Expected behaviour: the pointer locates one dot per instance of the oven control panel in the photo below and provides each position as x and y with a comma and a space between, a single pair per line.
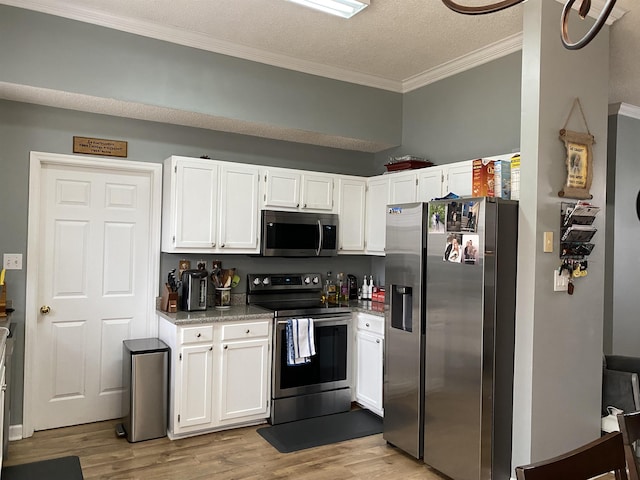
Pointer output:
283, 281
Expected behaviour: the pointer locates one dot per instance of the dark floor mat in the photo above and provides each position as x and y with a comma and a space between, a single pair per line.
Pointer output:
64, 468
313, 432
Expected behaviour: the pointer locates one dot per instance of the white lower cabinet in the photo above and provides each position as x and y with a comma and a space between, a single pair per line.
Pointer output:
244, 373
369, 361
219, 375
195, 377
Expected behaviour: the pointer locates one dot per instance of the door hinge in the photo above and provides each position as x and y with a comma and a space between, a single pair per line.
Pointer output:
175, 169
174, 239
180, 356
265, 178
416, 182
178, 418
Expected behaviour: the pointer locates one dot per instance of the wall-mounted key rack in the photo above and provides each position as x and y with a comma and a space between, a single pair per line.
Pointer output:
577, 230
576, 235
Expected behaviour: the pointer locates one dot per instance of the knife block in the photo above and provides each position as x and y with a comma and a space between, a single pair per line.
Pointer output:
3, 300
169, 300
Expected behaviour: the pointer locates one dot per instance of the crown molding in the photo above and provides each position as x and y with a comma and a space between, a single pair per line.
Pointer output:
625, 109
596, 7
467, 62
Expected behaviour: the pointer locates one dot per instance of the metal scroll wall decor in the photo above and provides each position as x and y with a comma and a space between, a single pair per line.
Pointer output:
583, 11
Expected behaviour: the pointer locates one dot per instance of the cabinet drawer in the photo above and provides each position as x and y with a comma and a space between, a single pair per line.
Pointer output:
202, 333
245, 330
371, 324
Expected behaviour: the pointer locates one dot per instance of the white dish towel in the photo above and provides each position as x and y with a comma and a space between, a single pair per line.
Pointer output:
300, 341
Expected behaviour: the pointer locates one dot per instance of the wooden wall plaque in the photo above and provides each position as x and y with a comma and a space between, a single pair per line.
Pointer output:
99, 146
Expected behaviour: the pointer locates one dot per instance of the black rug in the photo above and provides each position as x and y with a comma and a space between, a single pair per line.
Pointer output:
313, 432
64, 468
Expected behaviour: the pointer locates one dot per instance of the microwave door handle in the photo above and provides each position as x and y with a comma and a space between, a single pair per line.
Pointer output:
320, 242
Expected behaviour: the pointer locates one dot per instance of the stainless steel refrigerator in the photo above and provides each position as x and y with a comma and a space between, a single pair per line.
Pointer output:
450, 273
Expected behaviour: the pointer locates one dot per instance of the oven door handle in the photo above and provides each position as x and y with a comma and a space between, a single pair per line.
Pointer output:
321, 320
320, 239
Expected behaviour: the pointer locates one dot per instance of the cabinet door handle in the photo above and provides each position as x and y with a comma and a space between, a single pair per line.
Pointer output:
305, 206
248, 331
367, 325
226, 346
222, 245
199, 335
213, 244
378, 341
298, 205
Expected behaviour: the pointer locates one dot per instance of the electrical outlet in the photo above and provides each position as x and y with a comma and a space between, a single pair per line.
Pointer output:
12, 261
560, 281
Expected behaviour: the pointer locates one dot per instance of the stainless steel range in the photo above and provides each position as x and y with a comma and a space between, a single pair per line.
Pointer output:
322, 386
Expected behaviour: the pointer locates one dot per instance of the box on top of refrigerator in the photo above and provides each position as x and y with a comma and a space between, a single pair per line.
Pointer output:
502, 176
515, 177
483, 178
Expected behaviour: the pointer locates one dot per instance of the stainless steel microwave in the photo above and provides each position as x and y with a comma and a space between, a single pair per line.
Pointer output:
295, 234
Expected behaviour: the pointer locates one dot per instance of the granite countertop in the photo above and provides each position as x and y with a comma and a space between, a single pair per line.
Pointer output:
213, 315
367, 306
248, 312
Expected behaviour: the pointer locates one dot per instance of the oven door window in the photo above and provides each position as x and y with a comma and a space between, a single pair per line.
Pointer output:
329, 364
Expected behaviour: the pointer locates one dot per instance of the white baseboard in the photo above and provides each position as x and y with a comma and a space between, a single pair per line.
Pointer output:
15, 432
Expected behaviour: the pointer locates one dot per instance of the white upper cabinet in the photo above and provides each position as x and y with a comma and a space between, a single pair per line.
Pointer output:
317, 192
459, 178
282, 188
239, 213
286, 189
430, 182
403, 187
210, 206
375, 226
190, 204
351, 210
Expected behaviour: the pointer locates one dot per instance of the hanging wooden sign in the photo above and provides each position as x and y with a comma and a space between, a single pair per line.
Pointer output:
99, 146
578, 161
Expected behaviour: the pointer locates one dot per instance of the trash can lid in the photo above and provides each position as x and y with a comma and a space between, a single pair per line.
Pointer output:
145, 345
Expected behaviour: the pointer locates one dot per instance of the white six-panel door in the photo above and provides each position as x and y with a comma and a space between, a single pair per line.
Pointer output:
94, 286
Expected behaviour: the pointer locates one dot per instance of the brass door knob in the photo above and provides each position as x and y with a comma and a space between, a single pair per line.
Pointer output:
45, 309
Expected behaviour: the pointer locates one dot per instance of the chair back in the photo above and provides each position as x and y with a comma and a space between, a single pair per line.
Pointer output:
603, 455
630, 428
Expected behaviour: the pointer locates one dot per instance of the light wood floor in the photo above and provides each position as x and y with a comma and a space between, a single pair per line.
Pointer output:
232, 454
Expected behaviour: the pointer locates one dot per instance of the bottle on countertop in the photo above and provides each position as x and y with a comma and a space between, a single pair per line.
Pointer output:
330, 290
366, 292
343, 289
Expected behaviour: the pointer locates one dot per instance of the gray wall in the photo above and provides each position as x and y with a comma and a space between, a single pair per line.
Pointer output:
623, 308
51, 52
470, 115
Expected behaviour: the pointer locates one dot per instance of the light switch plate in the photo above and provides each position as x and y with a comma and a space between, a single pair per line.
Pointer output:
12, 261
548, 242
560, 281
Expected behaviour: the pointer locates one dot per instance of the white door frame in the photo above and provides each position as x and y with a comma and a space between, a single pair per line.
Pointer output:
37, 161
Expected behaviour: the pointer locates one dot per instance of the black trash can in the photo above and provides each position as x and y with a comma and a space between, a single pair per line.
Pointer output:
145, 373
